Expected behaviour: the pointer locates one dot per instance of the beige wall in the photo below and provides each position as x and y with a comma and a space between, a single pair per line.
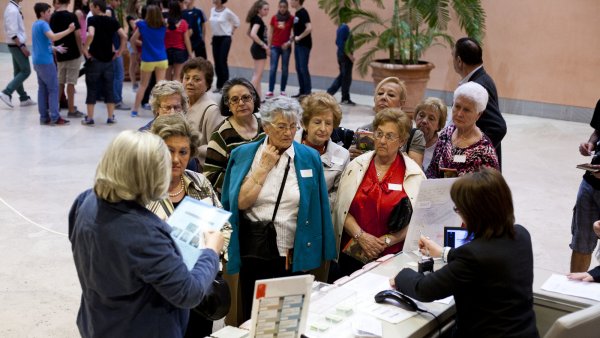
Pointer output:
545, 51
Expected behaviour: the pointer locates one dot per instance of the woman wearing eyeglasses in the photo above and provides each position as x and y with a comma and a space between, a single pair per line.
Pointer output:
240, 103
370, 194
276, 184
167, 97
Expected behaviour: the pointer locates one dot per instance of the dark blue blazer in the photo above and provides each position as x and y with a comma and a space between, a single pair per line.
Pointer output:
491, 121
314, 242
491, 281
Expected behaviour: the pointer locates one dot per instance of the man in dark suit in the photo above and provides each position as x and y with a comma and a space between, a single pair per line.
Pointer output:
468, 63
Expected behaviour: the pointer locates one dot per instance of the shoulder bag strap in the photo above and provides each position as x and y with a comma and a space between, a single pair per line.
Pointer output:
287, 169
204, 114
410, 137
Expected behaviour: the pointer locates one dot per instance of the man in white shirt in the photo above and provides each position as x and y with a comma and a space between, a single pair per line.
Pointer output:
14, 31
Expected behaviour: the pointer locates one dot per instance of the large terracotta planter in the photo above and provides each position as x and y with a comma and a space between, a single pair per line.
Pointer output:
415, 78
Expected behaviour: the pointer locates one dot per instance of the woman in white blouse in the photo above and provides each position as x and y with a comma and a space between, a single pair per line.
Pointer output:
223, 23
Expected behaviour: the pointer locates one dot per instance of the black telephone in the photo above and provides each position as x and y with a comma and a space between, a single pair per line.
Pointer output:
399, 297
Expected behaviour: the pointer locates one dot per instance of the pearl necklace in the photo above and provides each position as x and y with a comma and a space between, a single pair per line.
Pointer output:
180, 191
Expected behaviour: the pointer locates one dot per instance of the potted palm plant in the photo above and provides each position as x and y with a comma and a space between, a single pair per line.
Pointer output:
413, 27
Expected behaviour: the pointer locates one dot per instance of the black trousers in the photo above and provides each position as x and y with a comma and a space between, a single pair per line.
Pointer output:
220, 47
198, 326
200, 49
344, 79
254, 269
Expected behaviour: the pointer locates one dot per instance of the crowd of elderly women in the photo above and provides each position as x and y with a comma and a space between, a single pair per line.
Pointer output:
299, 203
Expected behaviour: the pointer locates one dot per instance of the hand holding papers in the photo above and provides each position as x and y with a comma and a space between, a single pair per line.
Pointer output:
431, 212
189, 222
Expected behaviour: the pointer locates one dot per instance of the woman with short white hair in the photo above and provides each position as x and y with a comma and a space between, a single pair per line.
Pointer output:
134, 281
276, 192
462, 147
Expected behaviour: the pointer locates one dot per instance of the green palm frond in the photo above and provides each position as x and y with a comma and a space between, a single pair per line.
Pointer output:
412, 28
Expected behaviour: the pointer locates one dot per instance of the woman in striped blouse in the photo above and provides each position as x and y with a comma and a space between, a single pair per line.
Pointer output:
240, 103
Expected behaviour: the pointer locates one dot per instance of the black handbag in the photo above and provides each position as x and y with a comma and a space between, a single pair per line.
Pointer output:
215, 304
259, 239
400, 215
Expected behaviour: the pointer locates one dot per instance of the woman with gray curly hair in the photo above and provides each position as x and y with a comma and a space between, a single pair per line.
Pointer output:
462, 147
182, 141
276, 192
167, 97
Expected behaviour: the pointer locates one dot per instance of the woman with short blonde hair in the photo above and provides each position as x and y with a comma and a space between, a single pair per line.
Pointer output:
134, 257
116, 179
430, 117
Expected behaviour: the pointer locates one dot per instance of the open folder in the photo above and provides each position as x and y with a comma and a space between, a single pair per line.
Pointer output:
189, 222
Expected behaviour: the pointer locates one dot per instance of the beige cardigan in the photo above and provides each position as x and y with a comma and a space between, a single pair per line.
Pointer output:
353, 176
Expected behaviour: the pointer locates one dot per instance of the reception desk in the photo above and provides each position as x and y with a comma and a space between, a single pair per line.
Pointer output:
548, 306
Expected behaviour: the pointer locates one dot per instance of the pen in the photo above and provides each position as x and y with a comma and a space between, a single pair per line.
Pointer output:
426, 248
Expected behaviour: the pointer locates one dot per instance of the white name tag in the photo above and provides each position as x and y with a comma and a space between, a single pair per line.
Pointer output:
460, 158
306, 173
337, 160
395, 187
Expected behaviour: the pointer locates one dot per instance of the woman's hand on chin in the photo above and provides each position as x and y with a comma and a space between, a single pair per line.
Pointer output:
371, 245
269, 158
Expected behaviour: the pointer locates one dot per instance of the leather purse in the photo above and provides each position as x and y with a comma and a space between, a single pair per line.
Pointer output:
400, 215
259, 239
215, 304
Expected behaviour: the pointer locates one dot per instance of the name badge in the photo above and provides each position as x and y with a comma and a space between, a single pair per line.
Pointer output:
337, 160
395, 187
460, 158
306, 173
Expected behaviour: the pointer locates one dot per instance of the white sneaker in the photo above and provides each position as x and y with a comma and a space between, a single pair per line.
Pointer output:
28, 102
6, 99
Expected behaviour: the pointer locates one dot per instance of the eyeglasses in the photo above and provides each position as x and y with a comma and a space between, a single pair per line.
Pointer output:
456, 209
282, 128
245, 99
175, 108
389, 136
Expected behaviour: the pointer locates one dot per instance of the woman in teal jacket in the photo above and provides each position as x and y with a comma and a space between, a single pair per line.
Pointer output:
253, 181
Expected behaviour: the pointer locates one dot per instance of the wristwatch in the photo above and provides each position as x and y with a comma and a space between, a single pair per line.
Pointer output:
388, 240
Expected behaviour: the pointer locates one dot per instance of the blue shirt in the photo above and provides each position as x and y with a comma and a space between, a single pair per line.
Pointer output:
153, 46
134, 282
42, 46
341, 36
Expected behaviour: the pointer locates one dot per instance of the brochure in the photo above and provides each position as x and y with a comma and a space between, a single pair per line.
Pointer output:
189, 222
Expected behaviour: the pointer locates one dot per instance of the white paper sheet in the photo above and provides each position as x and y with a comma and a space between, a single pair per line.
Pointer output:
432, 211
561, 284
189, 222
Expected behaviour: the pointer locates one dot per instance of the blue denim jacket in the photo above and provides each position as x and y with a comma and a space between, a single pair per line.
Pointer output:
134, 282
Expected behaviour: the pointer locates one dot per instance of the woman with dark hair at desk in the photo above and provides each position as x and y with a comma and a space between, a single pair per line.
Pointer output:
490, 277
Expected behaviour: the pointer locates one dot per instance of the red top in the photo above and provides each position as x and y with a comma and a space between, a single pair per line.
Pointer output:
374, 201
281, 30
174, 38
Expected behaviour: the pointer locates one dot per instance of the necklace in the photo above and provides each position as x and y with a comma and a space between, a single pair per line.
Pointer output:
381, 172
180, 190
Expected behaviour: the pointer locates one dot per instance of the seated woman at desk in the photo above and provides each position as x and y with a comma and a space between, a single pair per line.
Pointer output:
490, 277
371, 188
594, 274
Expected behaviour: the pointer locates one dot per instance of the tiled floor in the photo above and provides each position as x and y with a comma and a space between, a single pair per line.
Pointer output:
43, 169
